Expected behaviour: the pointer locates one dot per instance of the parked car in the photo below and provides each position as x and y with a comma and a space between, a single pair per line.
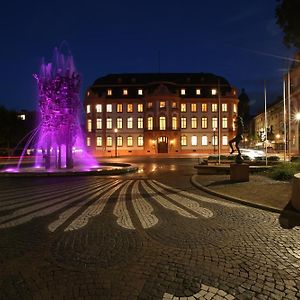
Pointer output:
253, 154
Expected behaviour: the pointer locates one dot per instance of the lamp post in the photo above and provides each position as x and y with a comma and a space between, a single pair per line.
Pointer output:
116, 142
214, 140
298, 121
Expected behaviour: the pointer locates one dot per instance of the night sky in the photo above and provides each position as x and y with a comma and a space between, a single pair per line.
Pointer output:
236, 39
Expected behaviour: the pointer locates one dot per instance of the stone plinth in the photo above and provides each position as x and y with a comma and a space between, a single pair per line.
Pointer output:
239, 172
296, 192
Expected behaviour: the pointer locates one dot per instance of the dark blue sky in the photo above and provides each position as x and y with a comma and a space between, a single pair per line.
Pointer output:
222, 37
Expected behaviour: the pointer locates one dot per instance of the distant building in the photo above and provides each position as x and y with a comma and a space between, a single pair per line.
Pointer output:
159, 113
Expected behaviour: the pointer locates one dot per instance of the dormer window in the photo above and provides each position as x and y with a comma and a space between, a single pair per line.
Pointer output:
214, 92
198, 92
140, 92
109, 92
182, 91
125, 92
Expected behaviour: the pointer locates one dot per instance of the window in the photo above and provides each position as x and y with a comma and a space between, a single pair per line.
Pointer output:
183, 123
183, 140
194, 140
119, 141
129, 141
150, 123
140, 107
214, 92
99, 108
88, 109
130, 123
149, 104
204, 107
215, 140
130, 107
140, 141
119, 123
224, 107
89, 125
99, 141
119, 107
162, 123
109, 141
109, 107
162, 104
174, 123
140, 123
140, 92
194, 123
182, 91
214, 107
234, 108
99, 123
88, 141
198, 92
109, 92
233, 125
125, 92
183, 107
193, 107
204, 140
203, 123
174, 104
224, 122
224, 140
214, 122
109, 123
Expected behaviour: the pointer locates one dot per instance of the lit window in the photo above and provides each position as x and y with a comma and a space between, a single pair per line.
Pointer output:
204, 107
162, 104
198, 92
174, 104
162, 123
224, 140
99, 141
119, 107
149, 104
140, 92
234, 108
140, 107
140, 141
129, 141
109, 123
119, 123
183, 140
214, 107
224, 107
194, 140
88, 141
99, 123
125, 92
203, 123
174, 123
130, 123
109, 92
214, 122
194, 123
130, 107
193, 107
214, 140
233, 125
214, 92
140, 123
183, 107
89, 125
22, 117
109, 107
150, 123
204, 140
224, 122
183, 123
182, 91
88, 109
98, 108
119, 141
109, 141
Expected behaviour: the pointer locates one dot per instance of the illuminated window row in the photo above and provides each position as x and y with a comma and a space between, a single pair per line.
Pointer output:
204, 123
119, 107
204, 140
214, 107
120, 143
109, 92
198, 92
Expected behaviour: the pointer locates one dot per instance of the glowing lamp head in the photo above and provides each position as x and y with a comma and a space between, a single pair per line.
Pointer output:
297, 116
115, 130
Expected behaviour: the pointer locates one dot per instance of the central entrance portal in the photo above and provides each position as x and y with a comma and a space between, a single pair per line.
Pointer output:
162, 144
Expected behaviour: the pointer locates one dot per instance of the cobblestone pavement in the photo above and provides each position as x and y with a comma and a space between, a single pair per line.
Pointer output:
138, 237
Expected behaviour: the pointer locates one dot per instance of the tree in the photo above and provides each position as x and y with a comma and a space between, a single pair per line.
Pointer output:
287, 14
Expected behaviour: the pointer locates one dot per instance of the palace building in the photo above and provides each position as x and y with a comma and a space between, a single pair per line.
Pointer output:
152, 113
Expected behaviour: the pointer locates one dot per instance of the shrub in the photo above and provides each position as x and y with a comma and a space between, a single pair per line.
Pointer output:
274, 158
284, 171
295, 159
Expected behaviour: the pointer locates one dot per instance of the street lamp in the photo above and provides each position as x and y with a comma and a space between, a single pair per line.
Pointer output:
214, 140
116, 142
298, 120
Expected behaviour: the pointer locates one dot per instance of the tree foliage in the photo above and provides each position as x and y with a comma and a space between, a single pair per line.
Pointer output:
287, 14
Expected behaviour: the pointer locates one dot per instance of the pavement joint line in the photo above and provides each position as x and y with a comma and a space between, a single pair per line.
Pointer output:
239, 200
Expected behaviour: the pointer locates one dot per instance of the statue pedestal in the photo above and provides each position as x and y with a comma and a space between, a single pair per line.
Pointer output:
296, 192
239, 172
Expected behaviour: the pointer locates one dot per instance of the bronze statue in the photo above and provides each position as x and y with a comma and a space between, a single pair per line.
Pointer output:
239, 136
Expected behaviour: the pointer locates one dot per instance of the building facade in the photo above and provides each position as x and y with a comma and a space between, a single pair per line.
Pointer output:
140, 114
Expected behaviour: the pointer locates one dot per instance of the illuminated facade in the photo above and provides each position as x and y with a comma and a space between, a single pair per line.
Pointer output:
140, 114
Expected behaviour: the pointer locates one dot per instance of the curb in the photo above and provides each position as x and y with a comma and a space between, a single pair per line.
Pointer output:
239, 200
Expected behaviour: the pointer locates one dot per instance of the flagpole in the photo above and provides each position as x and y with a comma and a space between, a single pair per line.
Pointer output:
266, 123
284, 121
219, 121
289, 114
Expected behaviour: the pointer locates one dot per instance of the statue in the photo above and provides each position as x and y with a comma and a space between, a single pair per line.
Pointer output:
237, 139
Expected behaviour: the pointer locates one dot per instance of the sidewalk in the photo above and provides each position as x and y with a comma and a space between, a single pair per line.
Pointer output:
260, 191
